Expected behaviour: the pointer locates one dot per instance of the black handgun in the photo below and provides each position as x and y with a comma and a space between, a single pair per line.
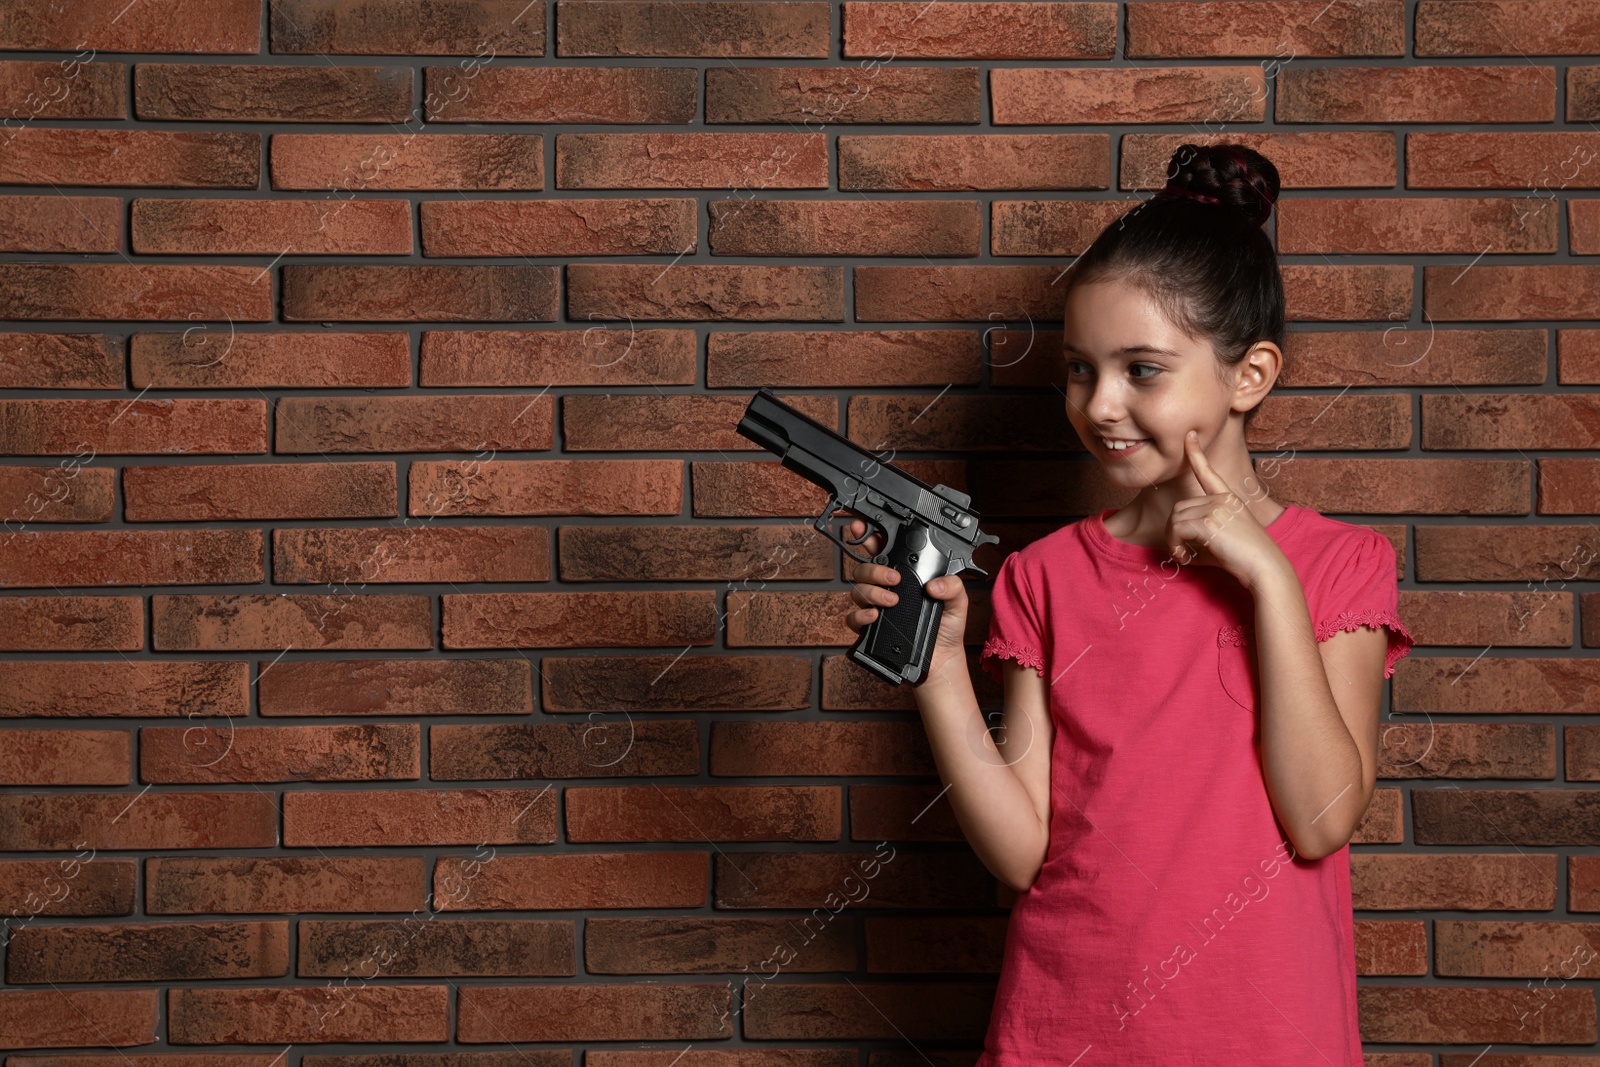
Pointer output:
929, 531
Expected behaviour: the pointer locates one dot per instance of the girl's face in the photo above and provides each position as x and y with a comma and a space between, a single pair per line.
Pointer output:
1132, 375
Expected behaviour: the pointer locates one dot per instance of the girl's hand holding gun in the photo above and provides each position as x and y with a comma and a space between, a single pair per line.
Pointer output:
874, 590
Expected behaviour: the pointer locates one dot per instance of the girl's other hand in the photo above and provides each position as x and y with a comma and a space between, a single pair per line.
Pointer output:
1218, 529
874, 590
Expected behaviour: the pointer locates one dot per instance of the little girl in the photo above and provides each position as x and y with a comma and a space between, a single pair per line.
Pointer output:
1192, 681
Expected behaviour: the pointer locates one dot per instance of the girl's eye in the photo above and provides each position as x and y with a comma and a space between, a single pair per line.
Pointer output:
1076, 367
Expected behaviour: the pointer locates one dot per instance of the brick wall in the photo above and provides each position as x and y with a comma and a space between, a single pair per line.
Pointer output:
402, 653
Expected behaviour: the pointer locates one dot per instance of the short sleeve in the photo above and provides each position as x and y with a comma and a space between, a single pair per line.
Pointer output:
1362, 591
1016, 629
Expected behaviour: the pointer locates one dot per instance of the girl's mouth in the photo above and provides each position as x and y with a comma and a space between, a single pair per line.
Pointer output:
1119, 452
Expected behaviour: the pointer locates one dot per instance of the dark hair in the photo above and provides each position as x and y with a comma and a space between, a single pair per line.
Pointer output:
1198, 247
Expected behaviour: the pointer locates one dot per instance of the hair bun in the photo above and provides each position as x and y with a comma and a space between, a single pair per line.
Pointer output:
1227, 174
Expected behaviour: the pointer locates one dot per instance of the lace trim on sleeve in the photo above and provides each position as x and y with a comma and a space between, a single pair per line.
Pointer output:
997, 648
1400, 640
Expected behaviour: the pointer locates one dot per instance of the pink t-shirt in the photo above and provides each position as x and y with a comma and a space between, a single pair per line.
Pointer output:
1172, 923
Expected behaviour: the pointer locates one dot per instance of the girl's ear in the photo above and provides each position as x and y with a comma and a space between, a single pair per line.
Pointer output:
1257, 372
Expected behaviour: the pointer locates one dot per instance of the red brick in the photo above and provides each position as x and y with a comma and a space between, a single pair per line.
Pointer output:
692, 160
598, 355
589, 749
578, 620
149, 952
675, 683
177, 885
1498, 948
1467, 750
1559, 291
939, 1011
945, 879
1401, 355
1505, 685
1503, 28
1480, 94
222, 26
1568, 486
408, 27
221, 622
1263, 28
216, 358
1413, 224
576, 880
132, 427
408, 293
272, 227
334, 948
975, 161
732, 29
1391, 948
1495, 160
123, 687
703, 813
1359, 486
142, 291
69, 88
821, 96
824, 358
66, 491
60, 223
37, 822
548, 487
390, 817
612, 227
844, 228
1485, 1015
68, 558
997, 294
417, 423
1509, 421
307, 1015
183, 159
641, 1011
392, 686
580, 95
901, 812
1579, 355
77, 1018
355, 557
62, 361
699, 945
830, 749
888, 30
238, 92
67, 886
701, 292
66, 757
72, 623
1060, 96
694, 553
356, 162
668, 421
232, 491
1480, 816
232, 753
1550, 554
1503, 881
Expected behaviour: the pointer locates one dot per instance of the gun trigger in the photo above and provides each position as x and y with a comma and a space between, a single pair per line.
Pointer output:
824, 523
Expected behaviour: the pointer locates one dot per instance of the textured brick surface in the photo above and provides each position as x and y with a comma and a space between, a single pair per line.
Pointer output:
405, 663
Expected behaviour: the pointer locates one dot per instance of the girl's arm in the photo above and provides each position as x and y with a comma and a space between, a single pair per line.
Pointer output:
1319, 716
1000, 795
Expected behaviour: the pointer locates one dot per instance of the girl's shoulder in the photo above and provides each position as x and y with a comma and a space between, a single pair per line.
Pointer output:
1316, 539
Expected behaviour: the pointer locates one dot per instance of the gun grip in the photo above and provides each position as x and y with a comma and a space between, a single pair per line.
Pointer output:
898, 645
